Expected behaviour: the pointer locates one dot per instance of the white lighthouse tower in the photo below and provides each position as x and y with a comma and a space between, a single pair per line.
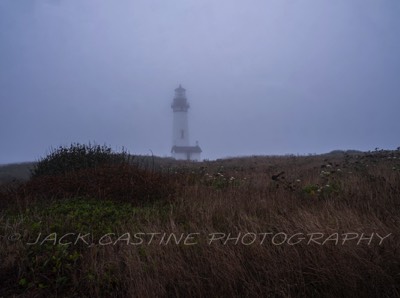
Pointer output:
181, 148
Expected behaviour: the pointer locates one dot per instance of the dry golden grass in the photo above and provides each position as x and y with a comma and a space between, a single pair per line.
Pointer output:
316, 194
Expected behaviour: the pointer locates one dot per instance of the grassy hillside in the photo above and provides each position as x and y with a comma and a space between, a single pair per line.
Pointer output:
284, 226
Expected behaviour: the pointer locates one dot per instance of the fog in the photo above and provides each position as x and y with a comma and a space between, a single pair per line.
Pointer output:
262, 76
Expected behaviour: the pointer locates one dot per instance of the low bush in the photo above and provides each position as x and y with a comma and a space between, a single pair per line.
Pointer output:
121, 182
77, 157
90, 171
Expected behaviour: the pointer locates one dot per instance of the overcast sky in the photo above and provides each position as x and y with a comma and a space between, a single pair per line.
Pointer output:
262, 76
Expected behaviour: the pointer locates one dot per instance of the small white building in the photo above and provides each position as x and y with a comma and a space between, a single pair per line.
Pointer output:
180, 132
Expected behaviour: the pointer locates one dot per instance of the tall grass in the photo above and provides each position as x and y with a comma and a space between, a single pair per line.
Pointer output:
340, 193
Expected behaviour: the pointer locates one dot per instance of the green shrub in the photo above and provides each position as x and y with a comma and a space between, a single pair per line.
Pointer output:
51, 267
77, 157
311, 189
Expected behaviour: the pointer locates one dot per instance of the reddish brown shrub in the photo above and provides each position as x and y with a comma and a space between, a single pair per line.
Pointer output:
116, 182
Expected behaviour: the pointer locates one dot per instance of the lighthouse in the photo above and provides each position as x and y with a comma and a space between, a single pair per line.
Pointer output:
181, 148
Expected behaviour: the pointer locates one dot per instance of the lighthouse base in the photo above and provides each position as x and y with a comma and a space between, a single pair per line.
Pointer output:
186, 153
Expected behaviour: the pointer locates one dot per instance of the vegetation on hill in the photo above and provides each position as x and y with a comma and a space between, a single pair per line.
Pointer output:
122, 226
77, 157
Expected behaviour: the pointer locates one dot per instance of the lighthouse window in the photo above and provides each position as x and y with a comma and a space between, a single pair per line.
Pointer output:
182, 134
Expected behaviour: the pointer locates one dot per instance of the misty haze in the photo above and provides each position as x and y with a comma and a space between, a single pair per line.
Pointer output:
262, 77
